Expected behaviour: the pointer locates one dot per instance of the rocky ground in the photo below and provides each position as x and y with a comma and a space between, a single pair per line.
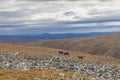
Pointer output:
89, 68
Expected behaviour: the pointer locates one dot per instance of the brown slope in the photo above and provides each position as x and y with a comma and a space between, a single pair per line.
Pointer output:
106, 45
29, 52
26, 51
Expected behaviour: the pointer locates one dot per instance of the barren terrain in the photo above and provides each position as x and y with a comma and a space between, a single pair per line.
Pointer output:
41, 52
105, 45
19, 62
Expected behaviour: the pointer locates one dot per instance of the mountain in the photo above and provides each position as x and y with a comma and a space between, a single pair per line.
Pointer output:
20, 39
104, 45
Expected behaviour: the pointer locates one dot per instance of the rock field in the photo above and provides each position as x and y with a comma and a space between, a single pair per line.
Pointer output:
99, 71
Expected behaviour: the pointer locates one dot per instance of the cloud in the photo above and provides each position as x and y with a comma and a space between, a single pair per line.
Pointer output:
57, 16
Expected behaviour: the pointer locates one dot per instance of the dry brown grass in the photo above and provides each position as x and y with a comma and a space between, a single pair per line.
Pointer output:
28, 52
8, 74
40, 52
94, 58
105, 45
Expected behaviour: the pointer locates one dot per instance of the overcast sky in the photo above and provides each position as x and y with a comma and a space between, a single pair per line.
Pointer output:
59, 16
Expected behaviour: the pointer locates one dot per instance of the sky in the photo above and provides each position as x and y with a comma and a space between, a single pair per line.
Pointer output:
59, 16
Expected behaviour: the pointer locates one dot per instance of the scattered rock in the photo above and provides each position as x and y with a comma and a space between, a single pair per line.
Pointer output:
100, 71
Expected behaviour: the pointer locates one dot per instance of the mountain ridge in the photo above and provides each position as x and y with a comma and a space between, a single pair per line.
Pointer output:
19, 39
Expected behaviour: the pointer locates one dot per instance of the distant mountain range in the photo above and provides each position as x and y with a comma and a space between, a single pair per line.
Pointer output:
18, 39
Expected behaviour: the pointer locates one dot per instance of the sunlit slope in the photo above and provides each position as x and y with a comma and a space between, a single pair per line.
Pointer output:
105, 45
41, 52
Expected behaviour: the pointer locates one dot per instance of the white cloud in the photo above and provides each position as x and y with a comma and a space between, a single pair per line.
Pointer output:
39, 13
54, 9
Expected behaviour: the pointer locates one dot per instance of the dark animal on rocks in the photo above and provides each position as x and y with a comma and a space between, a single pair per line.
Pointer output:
64, 53
81, 57
61, 52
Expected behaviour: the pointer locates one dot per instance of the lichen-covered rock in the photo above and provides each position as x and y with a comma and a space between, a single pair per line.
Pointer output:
100, 71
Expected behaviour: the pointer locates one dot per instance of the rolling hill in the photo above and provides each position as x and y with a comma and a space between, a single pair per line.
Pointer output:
104, 45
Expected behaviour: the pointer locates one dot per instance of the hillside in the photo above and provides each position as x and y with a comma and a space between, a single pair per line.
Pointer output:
29, 52
105, 45
18, 62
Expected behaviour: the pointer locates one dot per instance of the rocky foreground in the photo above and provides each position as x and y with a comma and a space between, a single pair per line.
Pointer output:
97, 70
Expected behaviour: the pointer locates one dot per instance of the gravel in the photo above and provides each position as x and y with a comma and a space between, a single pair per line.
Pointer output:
100, 71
